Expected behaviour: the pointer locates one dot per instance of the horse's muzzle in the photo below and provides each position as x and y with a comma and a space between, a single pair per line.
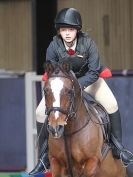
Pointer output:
57, 131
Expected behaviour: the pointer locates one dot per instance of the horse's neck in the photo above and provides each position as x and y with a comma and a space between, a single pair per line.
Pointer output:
80, 109
82, 112
81, 116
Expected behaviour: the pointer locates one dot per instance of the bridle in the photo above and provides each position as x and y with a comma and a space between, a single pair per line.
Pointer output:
70, 112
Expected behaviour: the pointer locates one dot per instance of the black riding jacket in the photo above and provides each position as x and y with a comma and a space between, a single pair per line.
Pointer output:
86, 53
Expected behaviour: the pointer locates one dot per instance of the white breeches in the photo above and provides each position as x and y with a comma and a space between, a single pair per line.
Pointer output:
40, 111
99, 90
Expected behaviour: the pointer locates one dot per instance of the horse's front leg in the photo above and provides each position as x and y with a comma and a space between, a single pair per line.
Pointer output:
57, 169
91, 167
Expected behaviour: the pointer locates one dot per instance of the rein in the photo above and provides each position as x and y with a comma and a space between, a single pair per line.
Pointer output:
71, 111
76, 131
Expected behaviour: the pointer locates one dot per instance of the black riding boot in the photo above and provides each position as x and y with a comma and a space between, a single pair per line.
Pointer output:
43, 162
116, 138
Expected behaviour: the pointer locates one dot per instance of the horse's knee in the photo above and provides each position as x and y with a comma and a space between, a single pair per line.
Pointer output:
92, 167
55, 167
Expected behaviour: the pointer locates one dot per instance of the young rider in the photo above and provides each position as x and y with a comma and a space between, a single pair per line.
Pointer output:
77, 47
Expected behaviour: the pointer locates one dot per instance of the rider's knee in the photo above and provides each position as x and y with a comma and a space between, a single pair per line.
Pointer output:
111, 108
40, 116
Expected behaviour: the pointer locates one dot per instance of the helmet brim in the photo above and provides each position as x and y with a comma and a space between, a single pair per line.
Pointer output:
63, 25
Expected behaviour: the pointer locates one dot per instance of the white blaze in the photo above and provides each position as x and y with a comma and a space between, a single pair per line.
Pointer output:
56, 86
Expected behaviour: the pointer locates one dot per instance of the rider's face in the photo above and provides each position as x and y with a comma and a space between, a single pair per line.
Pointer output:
68, 34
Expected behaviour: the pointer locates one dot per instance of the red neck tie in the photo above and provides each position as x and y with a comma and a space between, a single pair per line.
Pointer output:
71, 52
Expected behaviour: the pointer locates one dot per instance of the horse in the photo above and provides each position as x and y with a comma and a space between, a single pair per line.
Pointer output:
77, 145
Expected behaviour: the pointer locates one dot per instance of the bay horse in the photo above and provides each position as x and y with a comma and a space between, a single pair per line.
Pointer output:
77, 146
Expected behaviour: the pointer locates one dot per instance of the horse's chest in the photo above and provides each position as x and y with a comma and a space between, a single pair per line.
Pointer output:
62, 149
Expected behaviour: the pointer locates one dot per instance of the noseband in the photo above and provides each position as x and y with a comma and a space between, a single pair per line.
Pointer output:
70, 112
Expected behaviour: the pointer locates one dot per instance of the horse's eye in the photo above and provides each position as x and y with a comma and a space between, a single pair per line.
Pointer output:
70, 92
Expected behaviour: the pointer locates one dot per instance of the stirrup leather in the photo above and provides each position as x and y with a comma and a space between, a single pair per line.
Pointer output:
116, 143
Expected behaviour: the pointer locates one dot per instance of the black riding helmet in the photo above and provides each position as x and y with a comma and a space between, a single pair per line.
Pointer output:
68, 17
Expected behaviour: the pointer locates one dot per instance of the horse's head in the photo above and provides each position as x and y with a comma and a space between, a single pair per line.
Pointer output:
59, 90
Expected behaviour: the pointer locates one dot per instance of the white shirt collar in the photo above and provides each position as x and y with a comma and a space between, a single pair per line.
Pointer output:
72, 47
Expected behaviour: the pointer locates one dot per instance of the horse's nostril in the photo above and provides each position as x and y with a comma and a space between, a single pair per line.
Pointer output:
57, 128
50, 129
56, 131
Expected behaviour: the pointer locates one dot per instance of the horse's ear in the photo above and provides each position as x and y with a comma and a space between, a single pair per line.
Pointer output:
49, 67
66, 66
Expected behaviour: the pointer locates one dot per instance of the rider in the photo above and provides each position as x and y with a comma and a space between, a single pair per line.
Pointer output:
73, 45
